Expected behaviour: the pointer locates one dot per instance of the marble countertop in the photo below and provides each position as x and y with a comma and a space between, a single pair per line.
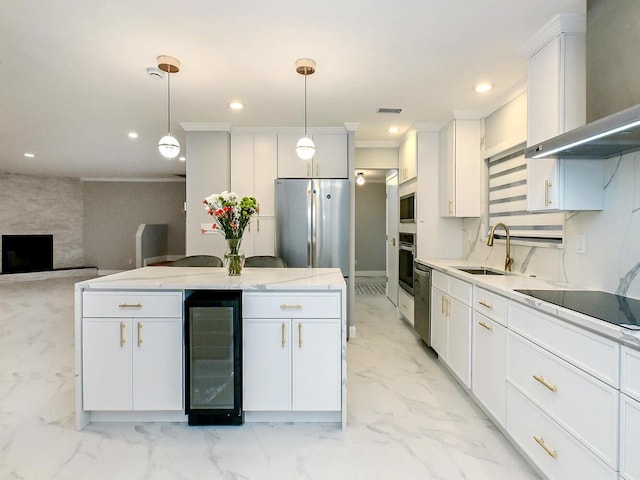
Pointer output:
506, 285
187, 278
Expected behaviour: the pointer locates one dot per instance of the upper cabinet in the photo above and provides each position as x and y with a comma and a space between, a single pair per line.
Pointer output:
329, 161
556, 103
460, 169
408, 158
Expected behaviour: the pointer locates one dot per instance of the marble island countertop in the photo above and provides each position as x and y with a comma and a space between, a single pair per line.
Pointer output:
186, 278
506, 285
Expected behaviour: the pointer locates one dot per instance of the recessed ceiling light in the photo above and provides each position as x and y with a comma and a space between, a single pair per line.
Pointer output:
393, 130
183, 159
133, 135
29, 155
483, 87
236, 106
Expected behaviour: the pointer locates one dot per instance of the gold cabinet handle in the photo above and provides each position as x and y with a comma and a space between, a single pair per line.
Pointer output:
547, 199
139, 333
288, 306
130, 305
442, 305
484, 303
299, 335
488, 327
540, 378
540, 441
122, 339
448, 307
258, 222
450, 207
283, 340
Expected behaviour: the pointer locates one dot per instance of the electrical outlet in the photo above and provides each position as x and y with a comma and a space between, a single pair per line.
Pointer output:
581, 244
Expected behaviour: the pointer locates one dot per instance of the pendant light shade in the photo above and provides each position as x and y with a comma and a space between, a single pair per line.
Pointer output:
168, 145
305, 148
360, 179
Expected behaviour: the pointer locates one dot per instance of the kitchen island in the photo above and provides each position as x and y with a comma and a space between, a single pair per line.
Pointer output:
145, 380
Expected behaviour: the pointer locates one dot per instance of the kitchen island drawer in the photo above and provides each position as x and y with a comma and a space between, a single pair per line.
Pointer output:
630, 372
588, 351
491, 305
558, 454
569, 395
291, 305
129, 304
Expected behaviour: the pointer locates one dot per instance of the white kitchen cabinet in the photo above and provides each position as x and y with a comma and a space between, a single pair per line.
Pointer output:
132, 364
556, 103
460, 165
260, 236
292, 352
405, 305
329, 160
408, 158
254, 163
489, 365
131, 360
451, 324
629, 438
565, 184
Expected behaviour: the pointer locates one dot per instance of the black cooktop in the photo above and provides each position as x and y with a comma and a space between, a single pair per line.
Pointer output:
616, 309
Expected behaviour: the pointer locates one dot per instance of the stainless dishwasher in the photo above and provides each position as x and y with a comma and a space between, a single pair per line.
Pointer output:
422, 301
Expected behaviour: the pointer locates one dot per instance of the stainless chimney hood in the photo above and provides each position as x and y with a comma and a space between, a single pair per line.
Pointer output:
609, 136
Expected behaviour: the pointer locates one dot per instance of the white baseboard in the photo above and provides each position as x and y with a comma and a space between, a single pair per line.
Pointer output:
370, 273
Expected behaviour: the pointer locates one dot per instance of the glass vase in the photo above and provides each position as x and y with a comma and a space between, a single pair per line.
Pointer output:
234, 257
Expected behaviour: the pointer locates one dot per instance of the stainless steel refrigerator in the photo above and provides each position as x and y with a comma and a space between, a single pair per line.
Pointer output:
312, 222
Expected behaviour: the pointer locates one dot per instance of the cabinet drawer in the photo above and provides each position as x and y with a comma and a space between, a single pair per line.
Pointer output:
458, 289
291, 305
585, 406
630, 372
489, 304
526, 423
440, 281
132, 304
590, 352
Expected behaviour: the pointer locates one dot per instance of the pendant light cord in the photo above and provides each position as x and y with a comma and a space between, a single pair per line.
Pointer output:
305, 105
169, 101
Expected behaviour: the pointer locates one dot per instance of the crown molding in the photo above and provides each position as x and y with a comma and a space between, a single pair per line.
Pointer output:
205, 127
563, 23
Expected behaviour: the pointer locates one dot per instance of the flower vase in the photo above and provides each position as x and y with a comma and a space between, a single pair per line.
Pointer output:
234, 257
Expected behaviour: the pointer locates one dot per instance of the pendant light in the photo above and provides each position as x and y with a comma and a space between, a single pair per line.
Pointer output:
360, 178
169, 146
305, 148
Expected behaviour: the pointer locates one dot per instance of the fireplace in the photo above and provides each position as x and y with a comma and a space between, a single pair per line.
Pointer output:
27, 253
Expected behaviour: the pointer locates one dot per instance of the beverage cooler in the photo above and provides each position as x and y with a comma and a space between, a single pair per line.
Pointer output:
213, 357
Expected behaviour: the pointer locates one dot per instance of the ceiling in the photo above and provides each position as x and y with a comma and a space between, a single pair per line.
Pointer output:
73, 78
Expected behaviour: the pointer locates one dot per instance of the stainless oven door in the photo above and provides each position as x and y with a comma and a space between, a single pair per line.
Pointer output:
405, 267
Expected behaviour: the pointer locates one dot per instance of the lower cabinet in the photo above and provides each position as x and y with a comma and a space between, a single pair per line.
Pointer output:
405, 305
629, 438
489, 366
132, 364
292, 364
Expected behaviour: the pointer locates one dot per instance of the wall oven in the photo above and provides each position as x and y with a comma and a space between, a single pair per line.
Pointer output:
406, 253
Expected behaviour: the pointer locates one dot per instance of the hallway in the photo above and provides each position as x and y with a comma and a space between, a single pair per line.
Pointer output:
407, 418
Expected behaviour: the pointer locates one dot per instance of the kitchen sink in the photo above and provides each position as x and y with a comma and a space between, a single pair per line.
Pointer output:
479, 270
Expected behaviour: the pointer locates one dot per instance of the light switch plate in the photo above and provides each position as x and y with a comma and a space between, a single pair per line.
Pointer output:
581, 244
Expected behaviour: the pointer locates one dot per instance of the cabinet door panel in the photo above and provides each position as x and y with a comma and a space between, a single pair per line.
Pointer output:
264, 236
316, 365
330, 159
629, 438
544, 93
459, 350
106, 364
267, 365
157, 364
289, 165
439, 324
265, 168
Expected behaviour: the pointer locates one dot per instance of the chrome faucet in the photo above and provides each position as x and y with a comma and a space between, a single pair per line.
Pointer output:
508, 261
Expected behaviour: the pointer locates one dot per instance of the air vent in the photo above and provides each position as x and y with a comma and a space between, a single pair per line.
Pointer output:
390, 110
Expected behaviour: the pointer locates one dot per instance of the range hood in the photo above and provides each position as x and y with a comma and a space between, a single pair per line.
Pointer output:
613, 135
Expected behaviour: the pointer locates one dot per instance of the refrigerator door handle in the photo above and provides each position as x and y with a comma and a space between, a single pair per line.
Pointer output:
310, 224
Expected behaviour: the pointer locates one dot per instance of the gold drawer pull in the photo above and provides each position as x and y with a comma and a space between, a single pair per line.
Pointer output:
122, 340
488, 327
540, 378
485, 304
299, 335
130, 305
286, 306
283, 342
540, 440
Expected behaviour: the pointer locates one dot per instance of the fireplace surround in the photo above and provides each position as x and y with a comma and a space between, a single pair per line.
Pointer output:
27, 253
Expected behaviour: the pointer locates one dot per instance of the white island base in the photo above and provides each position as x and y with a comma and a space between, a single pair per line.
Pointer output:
129, 344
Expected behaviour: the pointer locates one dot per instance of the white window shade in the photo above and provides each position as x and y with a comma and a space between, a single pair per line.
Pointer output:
508, 202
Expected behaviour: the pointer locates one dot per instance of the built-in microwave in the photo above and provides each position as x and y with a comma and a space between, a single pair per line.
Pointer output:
408, 208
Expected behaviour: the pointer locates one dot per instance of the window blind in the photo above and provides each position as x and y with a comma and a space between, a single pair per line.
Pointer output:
508, 202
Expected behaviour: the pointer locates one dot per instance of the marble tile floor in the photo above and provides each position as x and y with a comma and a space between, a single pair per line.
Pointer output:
408, 419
